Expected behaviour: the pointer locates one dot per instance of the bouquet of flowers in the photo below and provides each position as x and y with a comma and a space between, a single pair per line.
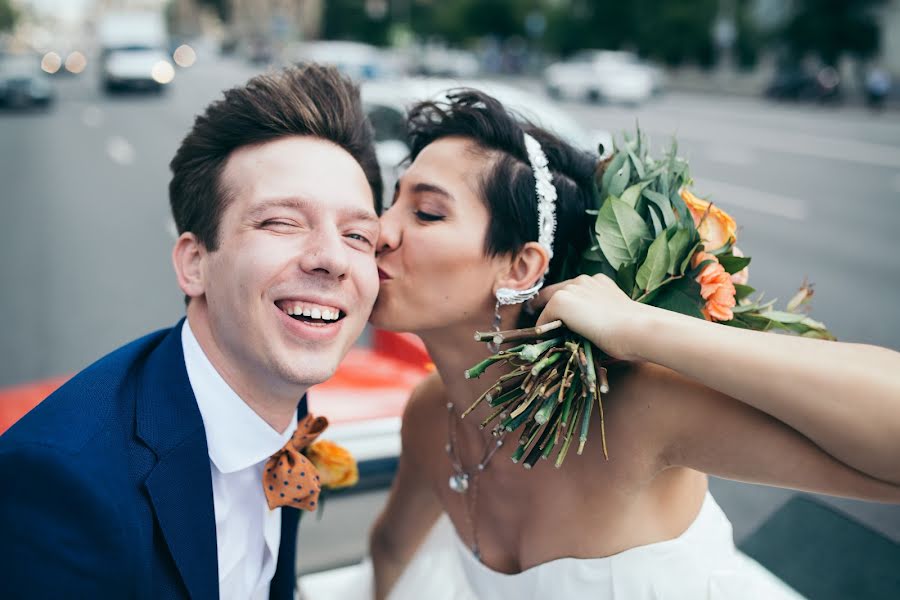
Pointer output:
663, 246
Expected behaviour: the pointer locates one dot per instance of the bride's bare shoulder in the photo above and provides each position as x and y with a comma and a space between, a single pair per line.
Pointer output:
425, 403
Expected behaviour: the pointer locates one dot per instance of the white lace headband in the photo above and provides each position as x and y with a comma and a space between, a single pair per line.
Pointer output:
546, 197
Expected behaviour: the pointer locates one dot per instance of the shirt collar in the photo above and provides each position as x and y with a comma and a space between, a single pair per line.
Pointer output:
236, 436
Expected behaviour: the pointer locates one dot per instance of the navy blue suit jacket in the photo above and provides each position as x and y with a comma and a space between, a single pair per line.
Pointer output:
106, 491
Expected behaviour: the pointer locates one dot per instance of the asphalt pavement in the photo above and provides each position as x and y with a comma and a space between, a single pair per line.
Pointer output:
85, 233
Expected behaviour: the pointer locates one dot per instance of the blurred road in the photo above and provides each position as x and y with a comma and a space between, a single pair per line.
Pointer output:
85, 234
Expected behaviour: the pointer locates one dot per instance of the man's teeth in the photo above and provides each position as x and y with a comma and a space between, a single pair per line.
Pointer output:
313, 312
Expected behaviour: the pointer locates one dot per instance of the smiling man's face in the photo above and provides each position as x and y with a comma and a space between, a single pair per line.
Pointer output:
290, 286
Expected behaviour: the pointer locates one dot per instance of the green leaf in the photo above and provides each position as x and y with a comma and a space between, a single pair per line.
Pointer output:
681, 296
678, 245
621, 231
638, 165
754, 321
684, 214
625, 278
614, 165
783, 317
656, 265
733, 264
663, 204
631, 195
658, 226
687, 258
620, 180
742, 291
725, 249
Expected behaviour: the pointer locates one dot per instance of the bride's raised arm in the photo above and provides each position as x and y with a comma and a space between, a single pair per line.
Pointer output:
843, 397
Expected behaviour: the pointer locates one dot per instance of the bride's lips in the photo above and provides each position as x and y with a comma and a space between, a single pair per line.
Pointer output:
382, 276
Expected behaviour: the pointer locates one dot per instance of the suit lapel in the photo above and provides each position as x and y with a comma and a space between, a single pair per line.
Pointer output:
180, 485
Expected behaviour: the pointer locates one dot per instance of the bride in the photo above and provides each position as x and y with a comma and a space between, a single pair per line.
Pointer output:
690, 398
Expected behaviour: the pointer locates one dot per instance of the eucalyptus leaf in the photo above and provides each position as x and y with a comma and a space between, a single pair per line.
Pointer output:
620, 180
742, 291
678, 245
687, 258
663, 204
656, 265
631, 195
658, 226
682, 296
638, 165
784, 317
733, 264
614, 165
625, 278
621, 231
754, 321
724, 249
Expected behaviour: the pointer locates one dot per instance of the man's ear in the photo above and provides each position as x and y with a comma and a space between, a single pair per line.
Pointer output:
525, 268
188, 257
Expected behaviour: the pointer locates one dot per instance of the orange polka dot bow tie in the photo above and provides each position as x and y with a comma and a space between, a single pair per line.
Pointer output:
290, 479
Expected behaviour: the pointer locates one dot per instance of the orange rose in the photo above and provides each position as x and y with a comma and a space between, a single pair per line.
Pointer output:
337, 467
717, 228
716, 288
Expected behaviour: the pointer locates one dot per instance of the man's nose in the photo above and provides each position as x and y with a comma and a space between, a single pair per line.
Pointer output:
325, 253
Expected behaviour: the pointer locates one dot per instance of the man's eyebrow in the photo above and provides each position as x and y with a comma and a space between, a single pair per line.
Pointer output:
300, 203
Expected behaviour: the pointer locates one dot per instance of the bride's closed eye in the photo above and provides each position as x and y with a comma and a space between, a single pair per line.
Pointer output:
428, 217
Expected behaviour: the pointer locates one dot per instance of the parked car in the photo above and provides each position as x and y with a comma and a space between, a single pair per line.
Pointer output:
440, 61
133, 51
22, 82
603, 76
387, 103
358, 61
796, 82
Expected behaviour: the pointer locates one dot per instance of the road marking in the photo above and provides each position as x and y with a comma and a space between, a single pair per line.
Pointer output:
120, 150
757, 138
729, 154
796, 143
727, 194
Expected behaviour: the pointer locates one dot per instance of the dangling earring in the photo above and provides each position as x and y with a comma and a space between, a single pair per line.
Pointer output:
506, 297
492, 345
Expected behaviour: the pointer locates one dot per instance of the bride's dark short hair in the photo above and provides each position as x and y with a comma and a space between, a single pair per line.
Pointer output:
507, 185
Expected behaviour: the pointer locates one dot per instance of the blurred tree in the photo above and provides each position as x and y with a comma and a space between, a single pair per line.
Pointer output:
750, 38
222, 8
8, 15
581, 24
358, 20
829, 29
677, 31
463, 21
672, 31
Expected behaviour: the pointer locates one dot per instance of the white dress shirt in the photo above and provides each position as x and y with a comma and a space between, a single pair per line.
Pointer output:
240, 441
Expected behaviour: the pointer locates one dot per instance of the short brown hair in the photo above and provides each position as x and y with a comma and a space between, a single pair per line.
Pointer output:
311, 100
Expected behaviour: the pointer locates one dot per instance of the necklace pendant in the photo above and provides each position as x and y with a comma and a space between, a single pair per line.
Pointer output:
459, 483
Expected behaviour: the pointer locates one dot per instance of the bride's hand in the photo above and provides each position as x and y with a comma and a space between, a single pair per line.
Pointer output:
596, 308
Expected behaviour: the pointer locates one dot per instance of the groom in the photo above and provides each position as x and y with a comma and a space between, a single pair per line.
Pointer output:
142, 476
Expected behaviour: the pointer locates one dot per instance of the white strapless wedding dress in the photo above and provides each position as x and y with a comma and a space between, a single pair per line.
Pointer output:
700, 564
